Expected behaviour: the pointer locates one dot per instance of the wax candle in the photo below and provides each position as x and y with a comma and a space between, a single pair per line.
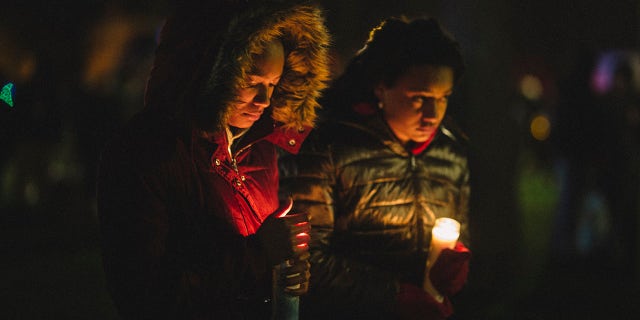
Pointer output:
444, 235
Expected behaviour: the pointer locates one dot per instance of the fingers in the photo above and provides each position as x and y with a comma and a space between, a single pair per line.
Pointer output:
295, 264
295, 277
300, 243
300, 227
294, 218
300, 236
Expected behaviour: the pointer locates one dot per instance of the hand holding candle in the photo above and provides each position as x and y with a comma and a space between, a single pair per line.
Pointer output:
291, 277
291, 269
444, 235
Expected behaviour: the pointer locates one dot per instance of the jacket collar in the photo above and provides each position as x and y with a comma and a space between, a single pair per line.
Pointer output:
288, 138
376, 126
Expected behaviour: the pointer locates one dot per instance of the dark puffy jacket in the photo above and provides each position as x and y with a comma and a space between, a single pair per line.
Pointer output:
177, 211
372, 206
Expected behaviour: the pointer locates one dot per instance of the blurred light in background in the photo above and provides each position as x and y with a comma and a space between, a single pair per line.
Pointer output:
603, 78
540, 127
531, 87
108, 43
118, 45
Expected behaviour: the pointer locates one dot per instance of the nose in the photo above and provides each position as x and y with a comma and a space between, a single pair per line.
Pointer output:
263, 96
429, 109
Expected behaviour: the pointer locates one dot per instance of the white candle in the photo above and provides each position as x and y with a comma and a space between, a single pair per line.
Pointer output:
444, 235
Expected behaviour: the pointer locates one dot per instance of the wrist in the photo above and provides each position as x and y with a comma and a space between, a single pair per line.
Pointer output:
431, 290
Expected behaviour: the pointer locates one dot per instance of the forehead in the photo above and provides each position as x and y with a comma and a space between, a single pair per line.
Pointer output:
271, 59
426, 77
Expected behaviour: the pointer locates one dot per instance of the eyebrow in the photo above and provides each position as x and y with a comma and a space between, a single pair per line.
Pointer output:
449, 91
250, 75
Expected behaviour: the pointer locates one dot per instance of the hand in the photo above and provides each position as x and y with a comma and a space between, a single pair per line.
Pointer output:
449, 273
414, 303
299, 228
294, 275
285, 237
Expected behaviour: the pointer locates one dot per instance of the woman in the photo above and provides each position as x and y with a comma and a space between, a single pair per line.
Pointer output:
377, 174
188, 190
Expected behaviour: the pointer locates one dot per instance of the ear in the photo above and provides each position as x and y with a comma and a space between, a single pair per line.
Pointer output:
378, 90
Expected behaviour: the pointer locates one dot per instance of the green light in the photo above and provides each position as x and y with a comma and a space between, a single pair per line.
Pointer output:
6, 94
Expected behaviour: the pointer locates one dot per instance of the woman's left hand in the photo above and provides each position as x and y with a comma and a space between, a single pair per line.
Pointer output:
295, 276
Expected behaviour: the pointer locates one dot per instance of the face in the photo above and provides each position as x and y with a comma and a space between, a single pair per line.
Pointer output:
416, 104
261, 81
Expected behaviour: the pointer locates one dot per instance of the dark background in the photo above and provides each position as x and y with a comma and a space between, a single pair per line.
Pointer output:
79, 69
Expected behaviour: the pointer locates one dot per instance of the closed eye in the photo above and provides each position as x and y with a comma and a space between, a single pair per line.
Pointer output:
253, 81
422, 99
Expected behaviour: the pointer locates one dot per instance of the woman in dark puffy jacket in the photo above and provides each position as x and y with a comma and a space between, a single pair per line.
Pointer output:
377, 173
188, 190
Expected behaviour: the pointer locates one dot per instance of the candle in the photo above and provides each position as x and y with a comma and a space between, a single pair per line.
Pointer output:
444, 235
286, 306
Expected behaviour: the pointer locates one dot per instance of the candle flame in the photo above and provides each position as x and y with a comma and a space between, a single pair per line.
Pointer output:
446, 229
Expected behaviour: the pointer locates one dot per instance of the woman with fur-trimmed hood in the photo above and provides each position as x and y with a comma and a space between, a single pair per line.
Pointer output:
187, 191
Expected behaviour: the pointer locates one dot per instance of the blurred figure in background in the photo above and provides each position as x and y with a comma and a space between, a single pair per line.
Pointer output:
576, 146
618, 163
188, 190
384, 164
599, 157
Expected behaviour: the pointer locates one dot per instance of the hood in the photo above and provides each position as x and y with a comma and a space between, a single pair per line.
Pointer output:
206, 49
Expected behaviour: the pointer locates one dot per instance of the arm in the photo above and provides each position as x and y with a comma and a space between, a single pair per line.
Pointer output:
462, 213
158, 263
338, 282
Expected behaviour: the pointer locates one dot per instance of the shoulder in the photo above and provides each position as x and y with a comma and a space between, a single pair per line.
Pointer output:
451, 139
454, 132
338, 135
451, 146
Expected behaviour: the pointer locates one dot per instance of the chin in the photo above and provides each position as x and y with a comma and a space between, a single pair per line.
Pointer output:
419, 140
422, 137
241, 124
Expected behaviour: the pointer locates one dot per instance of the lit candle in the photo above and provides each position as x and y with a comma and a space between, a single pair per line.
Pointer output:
444, 235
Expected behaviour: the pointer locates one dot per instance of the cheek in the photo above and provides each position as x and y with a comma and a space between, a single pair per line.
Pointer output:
245, 95
404, 112
442, 109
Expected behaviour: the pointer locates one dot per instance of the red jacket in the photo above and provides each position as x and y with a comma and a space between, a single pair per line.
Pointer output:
177, 212
250, 175
177, 219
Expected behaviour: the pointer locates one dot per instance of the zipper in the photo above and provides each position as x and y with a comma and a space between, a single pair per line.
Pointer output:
419, 223
234, 164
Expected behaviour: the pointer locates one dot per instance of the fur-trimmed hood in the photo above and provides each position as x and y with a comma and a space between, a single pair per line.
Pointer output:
206, 49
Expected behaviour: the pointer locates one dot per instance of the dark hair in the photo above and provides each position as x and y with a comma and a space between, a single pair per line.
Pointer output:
392, 48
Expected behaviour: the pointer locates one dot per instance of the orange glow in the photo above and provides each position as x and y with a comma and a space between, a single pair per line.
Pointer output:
540, 127
108, 40
108, 44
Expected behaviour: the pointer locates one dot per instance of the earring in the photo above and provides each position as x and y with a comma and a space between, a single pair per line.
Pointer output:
380, 105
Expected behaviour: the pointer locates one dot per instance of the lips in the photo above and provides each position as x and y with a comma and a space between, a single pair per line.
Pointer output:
252, 115
427, 126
